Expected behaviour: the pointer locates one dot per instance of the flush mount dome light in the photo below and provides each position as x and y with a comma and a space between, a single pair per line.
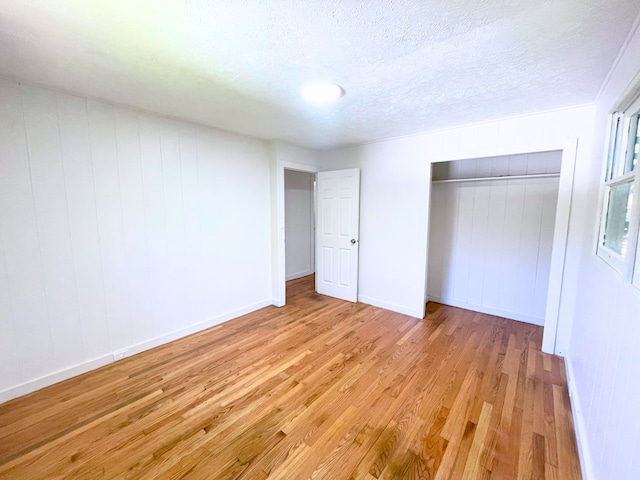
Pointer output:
321, 93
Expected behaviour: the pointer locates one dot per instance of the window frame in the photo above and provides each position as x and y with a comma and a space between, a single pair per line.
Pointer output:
636, 272
619, 161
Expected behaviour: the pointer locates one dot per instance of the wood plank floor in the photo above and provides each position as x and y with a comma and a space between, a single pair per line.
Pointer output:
318, 389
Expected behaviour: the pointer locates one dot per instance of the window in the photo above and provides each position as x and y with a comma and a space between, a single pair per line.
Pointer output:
635, 141
616, 225
619, 237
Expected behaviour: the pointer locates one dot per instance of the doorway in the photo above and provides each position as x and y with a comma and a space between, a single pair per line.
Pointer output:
299, 211
337, 207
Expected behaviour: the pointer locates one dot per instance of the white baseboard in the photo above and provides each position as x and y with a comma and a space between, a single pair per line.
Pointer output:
489, 310
578, 424
66, 373
278, 302
391, 306
293, 276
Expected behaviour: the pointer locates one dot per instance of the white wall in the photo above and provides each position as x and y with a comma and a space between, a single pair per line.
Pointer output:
394, 203
395, 190
603, 357
119, 230
299, 220
491, 241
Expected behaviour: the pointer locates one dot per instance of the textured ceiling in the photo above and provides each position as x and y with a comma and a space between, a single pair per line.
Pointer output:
406, 66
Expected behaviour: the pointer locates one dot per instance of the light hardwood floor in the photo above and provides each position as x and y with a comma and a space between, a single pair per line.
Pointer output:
320, 388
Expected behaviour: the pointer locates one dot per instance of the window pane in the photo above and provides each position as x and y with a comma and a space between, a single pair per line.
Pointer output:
616, 233
634, 143
614, 161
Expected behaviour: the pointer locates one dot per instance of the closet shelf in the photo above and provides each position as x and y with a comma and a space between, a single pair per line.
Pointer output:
503, 177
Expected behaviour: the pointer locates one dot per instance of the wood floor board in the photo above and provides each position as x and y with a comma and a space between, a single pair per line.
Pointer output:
318, 389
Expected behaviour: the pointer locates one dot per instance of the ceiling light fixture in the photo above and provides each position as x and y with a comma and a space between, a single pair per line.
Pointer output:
321, 93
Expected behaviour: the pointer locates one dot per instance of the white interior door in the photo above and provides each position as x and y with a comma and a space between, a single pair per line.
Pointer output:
337, 233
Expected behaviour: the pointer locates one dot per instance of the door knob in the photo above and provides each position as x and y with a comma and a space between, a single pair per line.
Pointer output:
353, 241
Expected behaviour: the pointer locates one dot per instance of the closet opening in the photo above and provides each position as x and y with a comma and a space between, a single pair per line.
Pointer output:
496, 241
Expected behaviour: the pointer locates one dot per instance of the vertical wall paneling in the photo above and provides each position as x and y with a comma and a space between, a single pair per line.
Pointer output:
545, 247
133, 223
481, 239
22, 257
530, 234
464, 247
119, 231
10, 128
207, 191
511, 236
9, 362
106, 175
490, 241
224, 190
492, 278
154, 208
174, 216
83, 224
50, 200
191, 219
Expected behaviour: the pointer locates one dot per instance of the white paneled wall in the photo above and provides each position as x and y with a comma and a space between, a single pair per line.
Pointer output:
490, 241
299, 219
119, 230
603, 357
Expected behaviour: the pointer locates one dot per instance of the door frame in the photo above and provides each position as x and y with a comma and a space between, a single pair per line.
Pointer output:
279, 267
569, 151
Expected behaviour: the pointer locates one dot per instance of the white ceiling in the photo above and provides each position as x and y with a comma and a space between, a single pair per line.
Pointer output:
406, 66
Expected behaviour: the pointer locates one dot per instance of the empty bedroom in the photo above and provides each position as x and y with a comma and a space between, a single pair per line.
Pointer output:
364, 240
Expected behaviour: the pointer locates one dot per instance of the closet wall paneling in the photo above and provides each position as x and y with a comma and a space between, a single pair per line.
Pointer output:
490, 240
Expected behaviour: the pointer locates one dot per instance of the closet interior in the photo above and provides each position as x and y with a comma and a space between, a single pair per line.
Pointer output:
491, 233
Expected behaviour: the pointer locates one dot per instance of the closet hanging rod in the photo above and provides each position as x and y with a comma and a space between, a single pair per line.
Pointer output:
503, 177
